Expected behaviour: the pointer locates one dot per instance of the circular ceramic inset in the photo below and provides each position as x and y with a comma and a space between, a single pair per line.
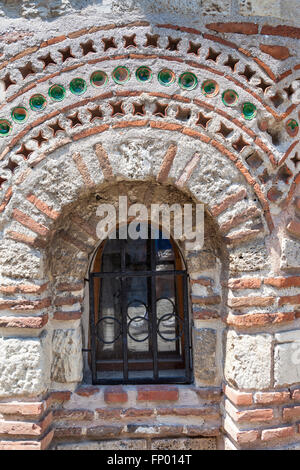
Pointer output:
121, 75
230, 97
249, 111
292, 127
210, 88
188, 81
143, 74
166, 77
78, 86
19, 114
38, 102
57, 92
98, 78
5, 127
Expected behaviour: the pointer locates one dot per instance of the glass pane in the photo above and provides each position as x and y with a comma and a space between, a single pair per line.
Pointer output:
111, 258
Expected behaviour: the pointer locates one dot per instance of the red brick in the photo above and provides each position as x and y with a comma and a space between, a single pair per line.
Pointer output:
28, 222
165, 126
271, 398
66, 316
28, 445
238, 398
6, 199
242, 236
210, 300
202, 282
24, 305
239, 28
23, 409
58, 397
289, 299
253, 416
20, 428
277, 433
204, 314
167, 163
87, 391
228, 201
291, 413
259, 319
43, 207
109, 413
158, 393
115, 394
245, 283
138, 413
296, 395
24, 322
63, 432
125, 124
70, 286
294, 228
91, 131
240, 218
76, 415
277, 52
237, 302
196, 135
207, 412
241, 437
285, 31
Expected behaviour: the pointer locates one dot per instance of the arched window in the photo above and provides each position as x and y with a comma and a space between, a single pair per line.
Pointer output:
139, 326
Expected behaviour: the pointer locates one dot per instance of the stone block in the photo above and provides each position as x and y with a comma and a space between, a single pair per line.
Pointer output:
184, 444
205, 344
290, 255
248, 258
287, 358
129, 444
260, 8
248, 360
23, 366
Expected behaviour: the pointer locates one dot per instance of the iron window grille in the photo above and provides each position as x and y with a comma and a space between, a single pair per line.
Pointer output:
139, 318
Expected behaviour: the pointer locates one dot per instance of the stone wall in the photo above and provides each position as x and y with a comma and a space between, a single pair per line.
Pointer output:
156, 144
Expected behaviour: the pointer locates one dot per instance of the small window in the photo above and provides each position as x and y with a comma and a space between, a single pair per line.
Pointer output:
139, 327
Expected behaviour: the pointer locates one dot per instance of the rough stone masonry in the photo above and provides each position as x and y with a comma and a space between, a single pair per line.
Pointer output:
214, 118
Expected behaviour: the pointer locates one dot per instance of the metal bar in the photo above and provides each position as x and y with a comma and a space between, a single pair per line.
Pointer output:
93, 330
124, 311
153, 309
186, 330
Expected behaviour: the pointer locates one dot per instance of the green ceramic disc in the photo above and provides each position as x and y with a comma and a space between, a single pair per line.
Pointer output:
143, 74
121, 75
166, 77
230, 97
5, 127
188, 81
249, 111
78, 86
98, 78
38, 102
19, 114
57, 92
210, 88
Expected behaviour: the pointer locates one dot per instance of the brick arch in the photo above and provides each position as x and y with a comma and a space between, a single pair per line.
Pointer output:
35, 222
